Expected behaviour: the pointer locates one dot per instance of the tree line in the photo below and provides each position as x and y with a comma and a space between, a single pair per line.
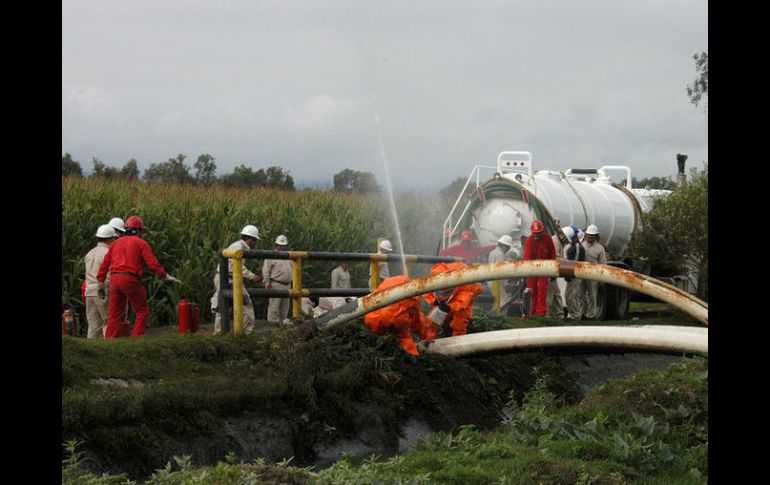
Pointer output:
203, 173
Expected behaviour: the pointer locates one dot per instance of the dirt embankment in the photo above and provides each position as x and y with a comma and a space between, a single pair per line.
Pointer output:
281, 394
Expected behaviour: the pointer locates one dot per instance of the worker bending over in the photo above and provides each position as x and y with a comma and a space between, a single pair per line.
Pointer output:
457, 302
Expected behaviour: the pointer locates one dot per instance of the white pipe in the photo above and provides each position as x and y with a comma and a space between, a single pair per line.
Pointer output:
654, 339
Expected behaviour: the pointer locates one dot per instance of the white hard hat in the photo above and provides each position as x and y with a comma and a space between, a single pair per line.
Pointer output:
117, 224
281, 240
568, 231
105, 231
250, 231
506, 239
385, 244
592, 229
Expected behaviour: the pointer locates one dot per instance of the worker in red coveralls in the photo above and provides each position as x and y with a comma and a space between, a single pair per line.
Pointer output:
538, 246
456, 303
466, 249
401, 319
124, 261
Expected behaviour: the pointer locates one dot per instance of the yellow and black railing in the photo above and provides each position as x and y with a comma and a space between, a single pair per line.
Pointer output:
233, 294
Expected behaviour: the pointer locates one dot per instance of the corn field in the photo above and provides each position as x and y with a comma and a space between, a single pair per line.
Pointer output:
187, 225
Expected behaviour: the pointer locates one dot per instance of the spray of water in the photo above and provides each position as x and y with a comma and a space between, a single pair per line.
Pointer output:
389, 185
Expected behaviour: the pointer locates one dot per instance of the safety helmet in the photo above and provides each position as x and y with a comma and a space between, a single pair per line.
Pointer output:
250, 231
117, 224
592, 229
466, 235
385, 244
105, 231
134, 222
536, 227
281, 240
506, 239
568, 231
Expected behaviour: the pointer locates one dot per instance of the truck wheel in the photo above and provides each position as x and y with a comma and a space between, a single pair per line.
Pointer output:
617, 303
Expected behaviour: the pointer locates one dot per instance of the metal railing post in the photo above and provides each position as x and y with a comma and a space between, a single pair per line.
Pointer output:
375, 282
496, 293
238, 292
296, 286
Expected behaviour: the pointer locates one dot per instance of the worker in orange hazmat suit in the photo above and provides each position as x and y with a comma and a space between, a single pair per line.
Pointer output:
401, 318
456, 303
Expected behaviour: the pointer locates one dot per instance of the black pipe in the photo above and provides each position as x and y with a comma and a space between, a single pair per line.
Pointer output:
285, 293
324, 256
224, 286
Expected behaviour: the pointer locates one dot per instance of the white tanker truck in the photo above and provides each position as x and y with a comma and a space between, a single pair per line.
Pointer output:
516, 194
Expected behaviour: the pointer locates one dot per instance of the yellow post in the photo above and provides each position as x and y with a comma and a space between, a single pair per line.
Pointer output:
496, 293
375, 282
296, 282
238, 292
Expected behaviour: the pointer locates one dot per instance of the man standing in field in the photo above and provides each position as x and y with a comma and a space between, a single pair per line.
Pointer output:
249, 237
594, 254
555, 304
538, 246
96, 307
277, 273
341, 276
502, 253
574, 292
124, 261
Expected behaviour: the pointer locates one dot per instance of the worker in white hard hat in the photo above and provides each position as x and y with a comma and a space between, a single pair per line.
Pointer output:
574, 294
595, 253
504, 252
277, 274
97, 308
383, 247
555, 302
249, 238
119, 226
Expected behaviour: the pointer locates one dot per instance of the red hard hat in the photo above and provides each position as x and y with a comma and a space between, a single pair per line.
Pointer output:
536, 227
134, 222
466, 235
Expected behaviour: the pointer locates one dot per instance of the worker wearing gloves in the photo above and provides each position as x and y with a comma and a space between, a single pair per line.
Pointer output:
456, 303
538, 246
467, 250
97, 307
503, 252
124, 261
249, 237
554, 300
594, 254
277, 273
401, 319
383, 247
341, 276
574, 251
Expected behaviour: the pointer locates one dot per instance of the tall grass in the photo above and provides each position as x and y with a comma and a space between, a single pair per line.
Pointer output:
187, 225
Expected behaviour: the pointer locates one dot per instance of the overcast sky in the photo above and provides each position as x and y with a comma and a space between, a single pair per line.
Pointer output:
300, 84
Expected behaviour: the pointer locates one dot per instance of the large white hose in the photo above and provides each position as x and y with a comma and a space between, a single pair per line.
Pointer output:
520, 269
664, 339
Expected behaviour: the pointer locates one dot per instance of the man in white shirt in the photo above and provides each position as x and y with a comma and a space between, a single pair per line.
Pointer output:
277, 273
96, 307
341, 276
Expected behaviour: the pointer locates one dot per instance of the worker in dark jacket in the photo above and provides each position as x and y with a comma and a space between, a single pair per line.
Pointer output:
124, 262
538, 246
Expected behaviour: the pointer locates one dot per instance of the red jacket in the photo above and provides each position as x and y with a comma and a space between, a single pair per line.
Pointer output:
128, 255
539, 249
469, 253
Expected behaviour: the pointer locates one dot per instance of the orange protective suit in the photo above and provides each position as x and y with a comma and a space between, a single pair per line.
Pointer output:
461, 303
401, 318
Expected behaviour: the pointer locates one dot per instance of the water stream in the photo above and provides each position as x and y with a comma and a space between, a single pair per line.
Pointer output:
389, 186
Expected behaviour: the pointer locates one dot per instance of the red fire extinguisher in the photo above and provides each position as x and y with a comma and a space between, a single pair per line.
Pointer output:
189, 317
66, 322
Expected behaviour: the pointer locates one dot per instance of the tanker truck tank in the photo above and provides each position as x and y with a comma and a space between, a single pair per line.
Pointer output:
516, 194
